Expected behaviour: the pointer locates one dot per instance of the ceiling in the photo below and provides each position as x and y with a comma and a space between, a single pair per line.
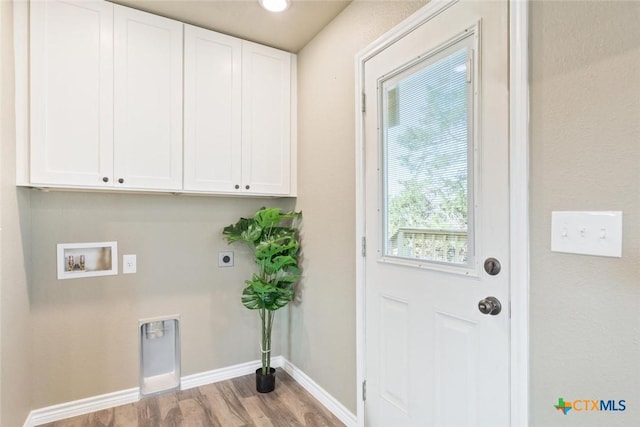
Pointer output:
290, 30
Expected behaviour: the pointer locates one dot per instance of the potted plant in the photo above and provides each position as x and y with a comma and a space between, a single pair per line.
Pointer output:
271, 235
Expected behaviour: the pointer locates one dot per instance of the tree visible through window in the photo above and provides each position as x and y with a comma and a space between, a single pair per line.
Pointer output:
427, 134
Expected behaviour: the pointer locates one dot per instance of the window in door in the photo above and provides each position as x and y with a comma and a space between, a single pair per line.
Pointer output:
427, 157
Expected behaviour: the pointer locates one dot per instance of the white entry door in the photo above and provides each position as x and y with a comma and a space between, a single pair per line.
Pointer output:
437, 223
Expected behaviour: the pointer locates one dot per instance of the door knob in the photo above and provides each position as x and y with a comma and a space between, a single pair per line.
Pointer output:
490, 305
492, 266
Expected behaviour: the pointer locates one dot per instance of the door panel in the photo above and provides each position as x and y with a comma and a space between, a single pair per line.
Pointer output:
394, 339
424, 332
455, 347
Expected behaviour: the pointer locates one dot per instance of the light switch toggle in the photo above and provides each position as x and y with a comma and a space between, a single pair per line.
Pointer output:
596, 233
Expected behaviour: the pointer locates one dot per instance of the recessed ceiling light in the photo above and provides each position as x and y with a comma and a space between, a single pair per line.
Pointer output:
275, 5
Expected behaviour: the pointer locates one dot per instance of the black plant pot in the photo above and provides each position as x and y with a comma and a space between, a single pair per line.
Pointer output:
265, 383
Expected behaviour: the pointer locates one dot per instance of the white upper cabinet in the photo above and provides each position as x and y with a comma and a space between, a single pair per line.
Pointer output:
266, 119
212, 111
237, 116
148, 100
106, 97
110, 88
71, 97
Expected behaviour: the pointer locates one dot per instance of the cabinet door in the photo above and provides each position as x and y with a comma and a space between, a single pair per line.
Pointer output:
266, 120
71, 96
148, 100
212, 112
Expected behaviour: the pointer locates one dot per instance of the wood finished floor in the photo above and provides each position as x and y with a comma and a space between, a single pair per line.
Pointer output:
231, 403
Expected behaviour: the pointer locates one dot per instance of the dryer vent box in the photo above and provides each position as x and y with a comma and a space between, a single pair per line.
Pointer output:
159, 356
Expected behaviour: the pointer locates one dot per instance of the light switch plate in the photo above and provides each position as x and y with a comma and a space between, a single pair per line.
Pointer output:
129, 264
587, 233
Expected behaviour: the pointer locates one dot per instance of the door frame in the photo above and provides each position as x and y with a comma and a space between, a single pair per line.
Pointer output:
518, 198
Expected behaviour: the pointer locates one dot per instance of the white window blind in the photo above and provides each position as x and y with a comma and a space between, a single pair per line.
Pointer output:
426, 136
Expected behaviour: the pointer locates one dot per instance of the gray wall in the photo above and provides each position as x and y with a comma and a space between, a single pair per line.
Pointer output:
71, 339
85, 330
65, 340
585, 155
322, 340
15, 355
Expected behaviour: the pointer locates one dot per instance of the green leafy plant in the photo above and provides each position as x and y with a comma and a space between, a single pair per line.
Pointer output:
272, 237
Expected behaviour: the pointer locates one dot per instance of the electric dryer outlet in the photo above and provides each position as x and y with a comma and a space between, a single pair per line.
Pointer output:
225, 259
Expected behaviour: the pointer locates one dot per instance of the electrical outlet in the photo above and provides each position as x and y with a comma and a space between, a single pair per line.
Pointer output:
129, 264
225, 259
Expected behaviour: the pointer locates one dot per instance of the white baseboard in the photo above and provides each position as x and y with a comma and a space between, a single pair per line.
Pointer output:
81, 407
29, 421
96, 403
217, 375
320, 394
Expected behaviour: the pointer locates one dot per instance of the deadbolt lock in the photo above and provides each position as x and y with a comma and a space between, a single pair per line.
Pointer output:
492, 266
